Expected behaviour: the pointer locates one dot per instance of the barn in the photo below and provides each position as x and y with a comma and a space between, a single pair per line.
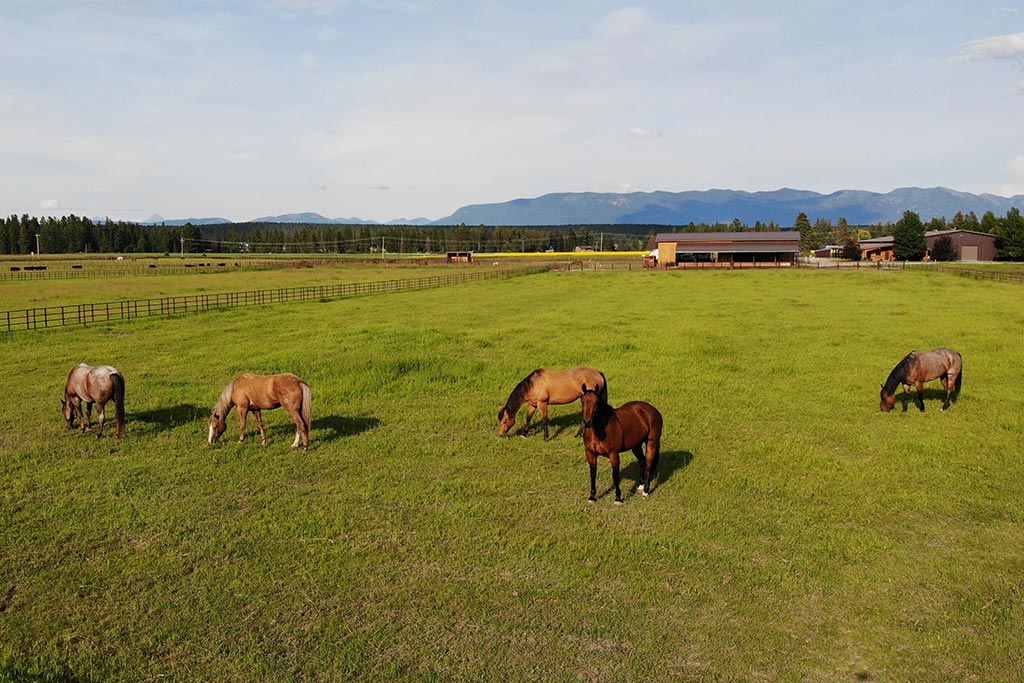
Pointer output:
970, 245
739, 248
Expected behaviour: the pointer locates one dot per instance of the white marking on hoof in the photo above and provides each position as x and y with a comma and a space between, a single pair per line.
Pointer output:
640, 488
618, 502
645, 494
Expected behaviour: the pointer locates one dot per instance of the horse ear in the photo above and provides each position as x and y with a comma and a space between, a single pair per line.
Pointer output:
584, 387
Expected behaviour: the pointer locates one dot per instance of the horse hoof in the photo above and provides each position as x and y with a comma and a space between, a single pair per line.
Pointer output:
592, 499
618, 501
645, 494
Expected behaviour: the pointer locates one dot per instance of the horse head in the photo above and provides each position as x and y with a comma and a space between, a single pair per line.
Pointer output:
217, 427
506, 420
68, 411
888, 400
591, 401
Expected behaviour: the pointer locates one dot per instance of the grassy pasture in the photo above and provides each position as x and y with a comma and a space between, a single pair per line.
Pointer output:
796, 533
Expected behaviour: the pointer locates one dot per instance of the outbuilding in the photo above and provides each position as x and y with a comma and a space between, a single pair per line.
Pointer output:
970, 245
728, 248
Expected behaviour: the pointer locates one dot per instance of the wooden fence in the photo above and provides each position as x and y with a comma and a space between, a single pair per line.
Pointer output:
977, 273
88, 314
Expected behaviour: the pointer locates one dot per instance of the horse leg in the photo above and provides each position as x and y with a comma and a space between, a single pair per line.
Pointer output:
644, 486
947, 384
906, 393
101, 413
920, 395
243, 413
592, 461
86, 416
258, 414
300, 433
531, 408
616, 476
544, 418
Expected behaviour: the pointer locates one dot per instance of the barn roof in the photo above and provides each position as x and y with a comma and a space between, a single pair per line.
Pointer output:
733, 242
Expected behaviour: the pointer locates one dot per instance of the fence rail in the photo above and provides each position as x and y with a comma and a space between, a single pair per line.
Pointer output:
88, 314
978, 274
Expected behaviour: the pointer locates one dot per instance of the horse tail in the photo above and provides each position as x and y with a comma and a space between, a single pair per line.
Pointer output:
118, 379
604, 388
307, 406
959, 379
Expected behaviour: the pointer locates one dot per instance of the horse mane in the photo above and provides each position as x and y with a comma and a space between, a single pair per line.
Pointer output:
899, 374
224, 404
518, 395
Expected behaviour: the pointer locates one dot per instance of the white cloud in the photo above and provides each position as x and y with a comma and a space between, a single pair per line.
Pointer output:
380, 187
309, 60
1009, 46
49, 204
645, 133
326, 35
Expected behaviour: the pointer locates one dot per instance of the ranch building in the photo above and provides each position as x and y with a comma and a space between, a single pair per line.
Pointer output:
676, 249
970, 245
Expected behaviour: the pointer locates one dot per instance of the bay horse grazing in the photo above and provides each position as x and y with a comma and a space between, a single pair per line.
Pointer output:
609, 431
544, 387
256, 393
920, 367
87, 385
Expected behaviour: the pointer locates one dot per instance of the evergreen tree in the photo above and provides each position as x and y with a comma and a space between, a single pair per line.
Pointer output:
943, 249
851, 249
908, 239
1010, 236
808, 240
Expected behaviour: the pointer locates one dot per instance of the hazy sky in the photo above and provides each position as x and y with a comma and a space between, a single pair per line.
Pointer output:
384, 109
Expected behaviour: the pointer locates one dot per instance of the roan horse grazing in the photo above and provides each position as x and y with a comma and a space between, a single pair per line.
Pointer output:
256, 393
609, 431
920, 367
544, 387
87, 385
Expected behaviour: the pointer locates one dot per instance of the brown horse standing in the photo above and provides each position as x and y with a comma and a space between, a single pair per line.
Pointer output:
609, 431
920, 367
87, 385
256, 393
544, 387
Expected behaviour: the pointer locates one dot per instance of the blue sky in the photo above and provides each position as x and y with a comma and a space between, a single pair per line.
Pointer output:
386, 109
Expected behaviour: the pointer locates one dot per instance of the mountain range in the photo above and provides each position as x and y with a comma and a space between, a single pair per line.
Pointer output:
858, 207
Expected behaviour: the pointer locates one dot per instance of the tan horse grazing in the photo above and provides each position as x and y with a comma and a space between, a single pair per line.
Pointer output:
920, 367
544, 387
256, 393
609, 431
87, 385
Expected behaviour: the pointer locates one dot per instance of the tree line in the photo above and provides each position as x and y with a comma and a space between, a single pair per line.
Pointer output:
79, 235
75, 234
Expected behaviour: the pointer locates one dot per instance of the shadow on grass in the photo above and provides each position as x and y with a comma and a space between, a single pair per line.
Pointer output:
331, 427
41, 673
930, 394
556, 425
168, 418
669, 462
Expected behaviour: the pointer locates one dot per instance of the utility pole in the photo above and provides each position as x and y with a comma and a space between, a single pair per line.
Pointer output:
182, 246
37, 244
382, 247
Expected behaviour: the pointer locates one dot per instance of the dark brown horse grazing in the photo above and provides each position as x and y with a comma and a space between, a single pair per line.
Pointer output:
87, 385
544, 387
920, 367
609, 431
256, 393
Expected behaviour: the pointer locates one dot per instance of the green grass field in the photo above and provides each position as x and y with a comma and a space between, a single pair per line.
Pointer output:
795, 532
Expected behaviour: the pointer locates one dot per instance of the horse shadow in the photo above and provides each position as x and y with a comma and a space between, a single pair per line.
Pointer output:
332, 427
929, 394
557, 425
163, 419
669, 462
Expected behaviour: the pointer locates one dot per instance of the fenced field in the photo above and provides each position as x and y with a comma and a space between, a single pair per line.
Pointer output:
795, 532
